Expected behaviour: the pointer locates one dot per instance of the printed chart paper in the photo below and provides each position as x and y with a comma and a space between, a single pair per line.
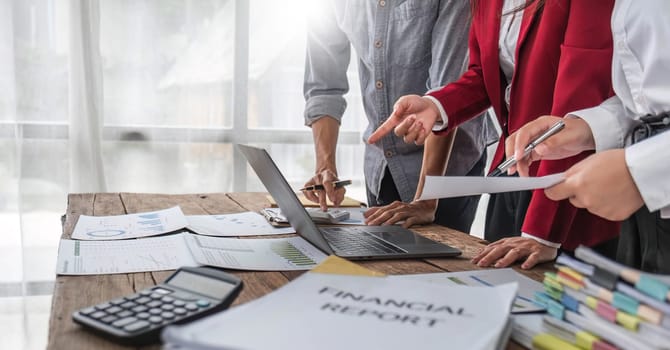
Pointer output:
135, 255
231, 225
269, 254
457, 186
488, 278
185, 249
130, 225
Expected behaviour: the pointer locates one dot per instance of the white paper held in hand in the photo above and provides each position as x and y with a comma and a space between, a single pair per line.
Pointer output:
457, 186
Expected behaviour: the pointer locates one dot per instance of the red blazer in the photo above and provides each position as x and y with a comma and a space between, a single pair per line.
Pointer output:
563, 63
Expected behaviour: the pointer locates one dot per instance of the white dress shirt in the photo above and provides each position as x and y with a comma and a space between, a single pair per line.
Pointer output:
641, 80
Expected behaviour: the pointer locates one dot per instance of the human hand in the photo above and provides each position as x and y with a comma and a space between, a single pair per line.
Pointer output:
417, 212
326, 178
602, 184
506, 251
413, 118
575, 138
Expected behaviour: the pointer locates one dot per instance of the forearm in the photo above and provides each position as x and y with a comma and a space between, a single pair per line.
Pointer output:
325, 132
436, 154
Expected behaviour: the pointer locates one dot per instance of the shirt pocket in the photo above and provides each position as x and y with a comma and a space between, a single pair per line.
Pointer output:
411, 30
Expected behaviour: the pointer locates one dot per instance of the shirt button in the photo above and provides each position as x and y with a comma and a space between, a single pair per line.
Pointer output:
378, 43
382, 3
379, 84
388, 154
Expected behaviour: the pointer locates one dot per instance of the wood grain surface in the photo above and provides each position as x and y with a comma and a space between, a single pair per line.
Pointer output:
74, 292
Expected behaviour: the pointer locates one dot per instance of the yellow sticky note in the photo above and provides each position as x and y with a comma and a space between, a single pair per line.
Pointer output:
338, 266
545, 341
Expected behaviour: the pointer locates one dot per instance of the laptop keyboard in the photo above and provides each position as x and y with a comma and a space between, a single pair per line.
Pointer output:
356, 241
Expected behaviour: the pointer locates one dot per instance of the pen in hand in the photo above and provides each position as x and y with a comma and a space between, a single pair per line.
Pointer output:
502, 168
337, 184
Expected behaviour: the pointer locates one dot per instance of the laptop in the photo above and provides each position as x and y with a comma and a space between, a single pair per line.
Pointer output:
350, 242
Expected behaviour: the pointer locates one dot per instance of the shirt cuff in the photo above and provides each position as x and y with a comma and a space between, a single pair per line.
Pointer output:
443, 122
648, 168
545, 242
665, 212
609, 130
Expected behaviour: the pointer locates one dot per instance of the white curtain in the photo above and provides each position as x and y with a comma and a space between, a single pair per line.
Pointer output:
87, 173
137, 96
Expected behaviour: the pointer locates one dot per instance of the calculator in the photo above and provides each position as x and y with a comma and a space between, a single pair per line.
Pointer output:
137, 319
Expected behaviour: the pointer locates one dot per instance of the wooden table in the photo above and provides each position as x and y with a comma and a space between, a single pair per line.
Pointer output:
74, 292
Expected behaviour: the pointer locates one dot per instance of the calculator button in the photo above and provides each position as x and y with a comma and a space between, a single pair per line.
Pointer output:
145, 292
114, 309
155, 319
102, 306
191, 307
167, 315
156, 296
124, 321
124, 313
162, 291
109, 319
132, 297
87, 311
202, 303
137, 326
143, 300
98, 314
128, 305
180, 311
178, 303
167, 299
140, 308
143, 315
154, 303
167, 307
155, 311
118, 301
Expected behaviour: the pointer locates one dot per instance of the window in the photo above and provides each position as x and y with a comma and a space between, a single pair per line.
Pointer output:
184, 80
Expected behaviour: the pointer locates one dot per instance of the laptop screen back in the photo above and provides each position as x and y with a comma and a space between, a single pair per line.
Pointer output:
283, 194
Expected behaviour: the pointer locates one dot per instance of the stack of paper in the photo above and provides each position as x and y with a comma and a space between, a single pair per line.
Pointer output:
125, 243
596, 303
330, 311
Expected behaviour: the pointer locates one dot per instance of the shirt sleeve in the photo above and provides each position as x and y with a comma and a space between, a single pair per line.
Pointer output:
610, 123
326, 62
543, 241
648, 165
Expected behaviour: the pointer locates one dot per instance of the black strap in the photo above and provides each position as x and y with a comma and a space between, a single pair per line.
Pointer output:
652, 124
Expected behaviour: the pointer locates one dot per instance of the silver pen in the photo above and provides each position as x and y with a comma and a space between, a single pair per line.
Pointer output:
502, 168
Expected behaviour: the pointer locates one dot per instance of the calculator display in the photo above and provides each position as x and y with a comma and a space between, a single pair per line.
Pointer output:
204, 285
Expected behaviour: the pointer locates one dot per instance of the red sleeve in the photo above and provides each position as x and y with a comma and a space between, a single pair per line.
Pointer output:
583, 80
466, 97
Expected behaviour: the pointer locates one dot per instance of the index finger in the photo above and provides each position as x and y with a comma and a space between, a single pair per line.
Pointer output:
383, 130
393, 120
530, 131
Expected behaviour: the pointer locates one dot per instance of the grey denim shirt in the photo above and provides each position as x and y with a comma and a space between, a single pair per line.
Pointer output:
403, 47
